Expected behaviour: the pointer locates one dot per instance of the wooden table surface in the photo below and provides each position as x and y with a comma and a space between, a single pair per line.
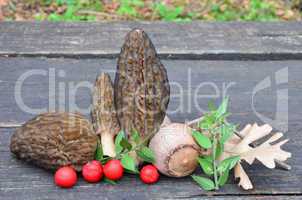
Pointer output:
231, 57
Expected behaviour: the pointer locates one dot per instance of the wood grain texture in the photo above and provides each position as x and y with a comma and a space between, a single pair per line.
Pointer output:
91, 48
232, 40
30, 182
188, 79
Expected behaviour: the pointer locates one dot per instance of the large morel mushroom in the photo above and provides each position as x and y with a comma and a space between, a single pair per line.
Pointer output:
52, 140
141, 86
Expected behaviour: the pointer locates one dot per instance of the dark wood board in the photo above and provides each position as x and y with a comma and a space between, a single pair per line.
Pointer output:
232, 40
243, 76
18, 179
239, 54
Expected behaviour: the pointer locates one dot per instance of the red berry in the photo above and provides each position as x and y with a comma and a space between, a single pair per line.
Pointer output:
149, 174
113, 170
65, 177
92, 171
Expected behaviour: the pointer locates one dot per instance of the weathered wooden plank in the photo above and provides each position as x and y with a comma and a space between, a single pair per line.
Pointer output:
18, 179
233, 40
259, 197
188, 79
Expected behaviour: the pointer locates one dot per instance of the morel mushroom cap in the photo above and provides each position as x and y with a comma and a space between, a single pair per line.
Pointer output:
175, 150
141, 86
103, 113
52, 140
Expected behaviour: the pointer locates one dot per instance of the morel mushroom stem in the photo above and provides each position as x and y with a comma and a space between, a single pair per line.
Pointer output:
103, 113
107, 142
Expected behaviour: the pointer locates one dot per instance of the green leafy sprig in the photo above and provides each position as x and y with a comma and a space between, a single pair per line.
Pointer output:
124, 148
213, 131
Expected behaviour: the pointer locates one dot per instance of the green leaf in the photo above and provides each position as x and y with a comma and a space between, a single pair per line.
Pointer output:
219, 150
228, 163
172, 14
125, 144
105, 159
208, 158
135, 136
206, 166
203, 125
211, 106
201, 139
128, 7
207, 121
106, 180
54, 17
138, 3
226, 132
146, 154
129, 163
223, 178
161, 9
127, 10
168, 14
222, 108
205, 183
118, 139
99, 152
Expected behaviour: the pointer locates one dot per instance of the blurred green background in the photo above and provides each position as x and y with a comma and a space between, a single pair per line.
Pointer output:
151, 10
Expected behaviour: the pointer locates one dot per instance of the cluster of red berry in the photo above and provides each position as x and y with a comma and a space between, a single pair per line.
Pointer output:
93, 172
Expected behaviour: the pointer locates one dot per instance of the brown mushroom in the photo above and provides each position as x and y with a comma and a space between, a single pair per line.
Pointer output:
52, 140
103, 113
141, 86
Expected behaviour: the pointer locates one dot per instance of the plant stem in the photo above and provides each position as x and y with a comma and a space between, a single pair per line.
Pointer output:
136, 147
214, 161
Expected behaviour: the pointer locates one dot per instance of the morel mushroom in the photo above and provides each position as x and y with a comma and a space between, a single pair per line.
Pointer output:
103, 113
175, 150
52, 140
141, 86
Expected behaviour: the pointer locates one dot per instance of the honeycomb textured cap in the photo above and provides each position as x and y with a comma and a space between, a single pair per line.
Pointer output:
52, 140
141, 86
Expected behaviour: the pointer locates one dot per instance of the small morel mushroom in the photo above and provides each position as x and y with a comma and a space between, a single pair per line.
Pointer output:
141, 86
52, 140
103, 113
175, 150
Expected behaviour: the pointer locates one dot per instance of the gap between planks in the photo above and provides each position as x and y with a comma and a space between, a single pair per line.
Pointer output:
237, 56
